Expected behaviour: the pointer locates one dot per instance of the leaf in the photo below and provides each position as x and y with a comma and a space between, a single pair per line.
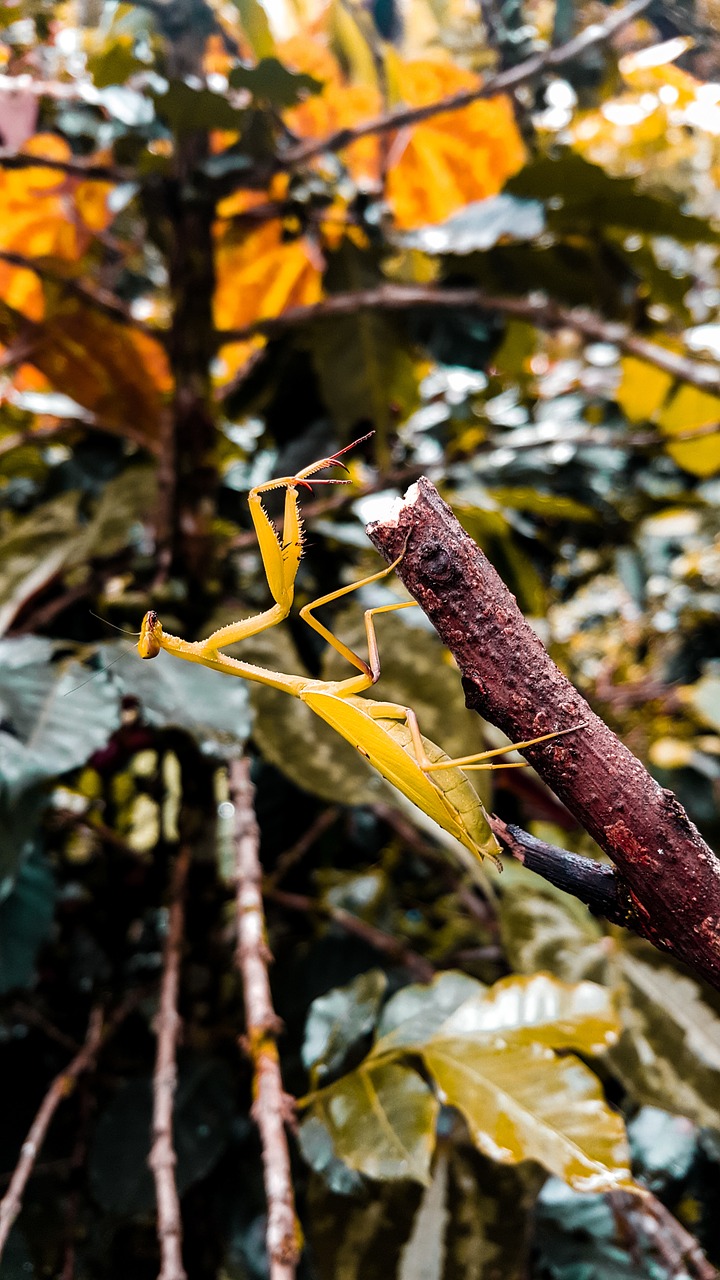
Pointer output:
525, 1103
381, 1119
643, 389
669, 1054
213, 707
577, 1236
429, 176
256, 27
365, 373
543, 928
271, 81
125, 500
46, 732
691, 410
34, 550
184, 109
203, 1112
514, 1012
479, 226
580, 196
26, 916
338, 1020
120, 375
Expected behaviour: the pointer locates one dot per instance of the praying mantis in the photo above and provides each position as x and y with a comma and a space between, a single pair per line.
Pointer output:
385, 733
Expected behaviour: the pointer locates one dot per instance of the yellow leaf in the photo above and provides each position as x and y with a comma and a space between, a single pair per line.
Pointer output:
260, 276
691, 410
642, 390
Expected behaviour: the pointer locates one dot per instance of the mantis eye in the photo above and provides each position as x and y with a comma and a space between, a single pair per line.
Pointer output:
150, 632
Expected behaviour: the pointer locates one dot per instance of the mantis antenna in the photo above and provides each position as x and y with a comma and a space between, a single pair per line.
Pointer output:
385, 733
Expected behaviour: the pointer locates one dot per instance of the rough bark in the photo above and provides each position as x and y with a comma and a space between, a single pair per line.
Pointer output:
671, 875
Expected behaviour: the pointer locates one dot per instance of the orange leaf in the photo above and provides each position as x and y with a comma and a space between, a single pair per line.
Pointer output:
260, 276
453, 158
45, 214
120, 375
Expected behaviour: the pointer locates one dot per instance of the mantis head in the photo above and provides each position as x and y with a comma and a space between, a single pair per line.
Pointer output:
150, 642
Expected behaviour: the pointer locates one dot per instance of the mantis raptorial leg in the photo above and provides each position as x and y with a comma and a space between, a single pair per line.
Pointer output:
387, 734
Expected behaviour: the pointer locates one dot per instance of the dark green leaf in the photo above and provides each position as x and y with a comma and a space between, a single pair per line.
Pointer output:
184, 109
338, 1020
271, 82
26, 916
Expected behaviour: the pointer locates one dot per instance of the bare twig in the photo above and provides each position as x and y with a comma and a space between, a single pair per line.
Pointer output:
395, 950
677, 1251
543, 313
60, 1088
505, 82
162, 1156
297, 851
73, 168
272, 1106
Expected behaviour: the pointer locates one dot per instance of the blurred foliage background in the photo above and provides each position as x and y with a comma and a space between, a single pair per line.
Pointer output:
522, 299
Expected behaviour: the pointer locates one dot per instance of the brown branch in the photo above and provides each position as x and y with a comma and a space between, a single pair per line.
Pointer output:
671, 874
395, 950
99, 299
73, 168
60, 1088
272, 1106
677, 1251
504, 82
162, 1158
545, 314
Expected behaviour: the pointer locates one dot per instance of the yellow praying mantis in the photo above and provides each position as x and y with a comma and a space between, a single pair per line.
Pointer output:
386, 733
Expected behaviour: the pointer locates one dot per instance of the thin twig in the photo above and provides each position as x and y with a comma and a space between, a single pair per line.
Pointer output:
297, 851
73, 168
395, 950
543, 313
60, 1088
272, 1106
504, 82
162, 1158
678, 1252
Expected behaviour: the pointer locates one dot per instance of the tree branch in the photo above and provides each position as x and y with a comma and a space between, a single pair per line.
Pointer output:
594, 883
60, 1088
162, 1157
545, 314
272, 1106
671, 874
73, 168
99, 299
505, 82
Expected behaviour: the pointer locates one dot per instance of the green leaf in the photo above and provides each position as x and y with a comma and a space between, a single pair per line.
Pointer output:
26, 917
34, 551
381, 1119
365, 373
525, 1103
515, 1011
581, 196
543, 928
669, 1053
338, 1020
115, 64
202, 1117
256, 27
213, 707
184, 109
272, 82
479, 226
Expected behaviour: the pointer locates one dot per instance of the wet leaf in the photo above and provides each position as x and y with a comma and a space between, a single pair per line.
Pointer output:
525, 1103
381, 1119
338, 1020
515, 1011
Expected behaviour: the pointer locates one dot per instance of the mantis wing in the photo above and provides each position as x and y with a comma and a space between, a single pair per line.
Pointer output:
449, 799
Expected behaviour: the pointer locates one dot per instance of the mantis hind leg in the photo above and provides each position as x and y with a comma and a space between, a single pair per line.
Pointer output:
466, 762
370, 670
